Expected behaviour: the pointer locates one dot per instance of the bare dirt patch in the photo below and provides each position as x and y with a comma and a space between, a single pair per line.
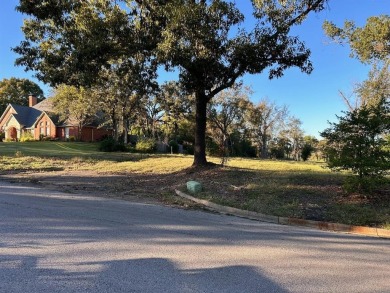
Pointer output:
145, 188
279, 193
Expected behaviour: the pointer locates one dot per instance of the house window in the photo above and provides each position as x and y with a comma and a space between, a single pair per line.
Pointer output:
42, 129
47, 128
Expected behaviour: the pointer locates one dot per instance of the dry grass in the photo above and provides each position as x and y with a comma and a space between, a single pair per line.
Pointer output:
283, 188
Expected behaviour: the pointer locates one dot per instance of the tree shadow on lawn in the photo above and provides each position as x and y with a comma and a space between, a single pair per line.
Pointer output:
301, 194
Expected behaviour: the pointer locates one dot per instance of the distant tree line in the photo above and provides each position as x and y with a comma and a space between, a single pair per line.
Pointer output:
237, 126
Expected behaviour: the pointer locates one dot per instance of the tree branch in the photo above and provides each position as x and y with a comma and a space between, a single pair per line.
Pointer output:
304, 13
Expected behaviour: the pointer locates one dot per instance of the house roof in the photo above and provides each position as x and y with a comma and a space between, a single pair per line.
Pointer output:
52, 116
25, 116
46, 105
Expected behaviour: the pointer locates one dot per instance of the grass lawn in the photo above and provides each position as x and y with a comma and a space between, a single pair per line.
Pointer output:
282, 188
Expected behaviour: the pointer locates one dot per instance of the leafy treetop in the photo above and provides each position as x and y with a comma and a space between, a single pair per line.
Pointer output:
369, 43
72, 41
17, 90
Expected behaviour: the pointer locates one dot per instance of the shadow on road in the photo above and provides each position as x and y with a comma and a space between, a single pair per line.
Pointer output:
21, 273
39, 233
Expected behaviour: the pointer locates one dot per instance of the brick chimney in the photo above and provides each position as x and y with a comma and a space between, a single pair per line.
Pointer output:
32, 100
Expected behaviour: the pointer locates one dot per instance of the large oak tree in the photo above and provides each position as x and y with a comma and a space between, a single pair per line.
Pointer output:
206, 41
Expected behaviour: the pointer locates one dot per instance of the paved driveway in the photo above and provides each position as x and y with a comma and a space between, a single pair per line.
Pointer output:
53, 242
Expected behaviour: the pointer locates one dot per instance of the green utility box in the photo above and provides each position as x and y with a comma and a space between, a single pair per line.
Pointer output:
194, 187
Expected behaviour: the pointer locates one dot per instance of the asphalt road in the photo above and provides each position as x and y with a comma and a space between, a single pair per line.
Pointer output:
54, 242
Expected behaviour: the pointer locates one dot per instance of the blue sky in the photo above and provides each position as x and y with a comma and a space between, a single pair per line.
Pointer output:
312, 98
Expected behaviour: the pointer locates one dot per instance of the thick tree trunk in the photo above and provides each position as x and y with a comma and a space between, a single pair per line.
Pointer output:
200, 130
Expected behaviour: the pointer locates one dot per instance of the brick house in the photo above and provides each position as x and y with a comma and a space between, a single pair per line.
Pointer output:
40, 120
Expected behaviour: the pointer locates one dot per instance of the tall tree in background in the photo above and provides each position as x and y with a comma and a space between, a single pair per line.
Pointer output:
151, 115
16, 91
75, 104
197, 39
226, 115
357, 142
70, 41
123, 87
177, 106
295, 134
265, 119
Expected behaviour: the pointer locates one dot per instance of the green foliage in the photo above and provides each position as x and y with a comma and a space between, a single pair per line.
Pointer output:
369, 43
276, 152
44, 138
69, 42
16, 91
310, 148
188, 148
376, 87
368, 184
285, 187
356, 142
109, 144
212, 148
146, 145
186, 130
73, 42
240, 145
307, 150
280, 147
177, 106
191, 48
76, 104
127, 95
27, 136
174, 146
354, 214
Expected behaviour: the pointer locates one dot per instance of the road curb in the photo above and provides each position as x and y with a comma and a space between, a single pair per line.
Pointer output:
326, 226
